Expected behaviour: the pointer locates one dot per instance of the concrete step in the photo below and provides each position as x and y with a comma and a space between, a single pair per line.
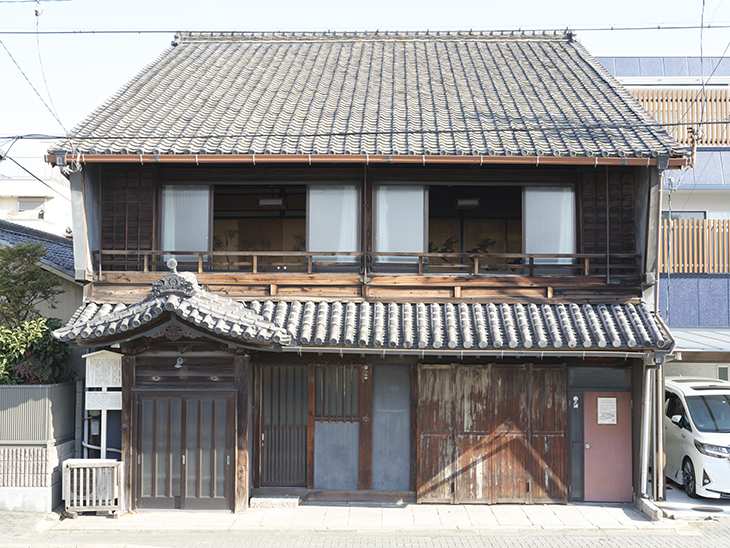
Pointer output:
283, 501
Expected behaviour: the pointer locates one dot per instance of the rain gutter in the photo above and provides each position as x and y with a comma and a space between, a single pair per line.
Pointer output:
420, 159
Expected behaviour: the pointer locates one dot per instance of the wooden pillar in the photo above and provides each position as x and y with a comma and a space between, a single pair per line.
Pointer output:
242, 373
366, 429
310, 427
128, 453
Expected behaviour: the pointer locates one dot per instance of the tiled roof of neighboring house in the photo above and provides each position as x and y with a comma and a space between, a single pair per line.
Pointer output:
461, 93
351, 326
666, 67
60, 250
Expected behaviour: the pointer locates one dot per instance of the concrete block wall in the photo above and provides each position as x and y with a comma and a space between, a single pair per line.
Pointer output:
30, 477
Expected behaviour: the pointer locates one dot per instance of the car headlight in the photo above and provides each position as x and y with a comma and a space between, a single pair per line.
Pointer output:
717, 451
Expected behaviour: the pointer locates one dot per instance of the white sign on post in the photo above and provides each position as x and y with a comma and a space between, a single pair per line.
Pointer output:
103, 401
103, 370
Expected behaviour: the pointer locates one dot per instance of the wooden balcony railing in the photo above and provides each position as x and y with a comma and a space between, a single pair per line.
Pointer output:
677, 106
695, 246
614, 267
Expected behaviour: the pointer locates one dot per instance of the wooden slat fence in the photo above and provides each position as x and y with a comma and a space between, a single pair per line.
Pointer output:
673, 106
695, 246
92, 485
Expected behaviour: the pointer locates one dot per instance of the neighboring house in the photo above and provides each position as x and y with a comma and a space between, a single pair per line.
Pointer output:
38, 422
59, 261
34, 194
409, 266
694, 295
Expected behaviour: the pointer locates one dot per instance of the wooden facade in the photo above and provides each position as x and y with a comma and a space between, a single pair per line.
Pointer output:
606, 262
229, 422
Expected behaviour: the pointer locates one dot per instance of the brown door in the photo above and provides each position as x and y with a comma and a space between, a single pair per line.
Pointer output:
184, 450
607, 446
511, 432
436, 433
492, 434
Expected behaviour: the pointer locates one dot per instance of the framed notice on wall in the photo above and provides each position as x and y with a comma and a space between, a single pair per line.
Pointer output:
606, 410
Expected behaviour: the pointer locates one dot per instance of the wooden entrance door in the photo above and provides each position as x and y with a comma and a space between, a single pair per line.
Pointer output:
284, 418
607, 447
492, 434
184, 450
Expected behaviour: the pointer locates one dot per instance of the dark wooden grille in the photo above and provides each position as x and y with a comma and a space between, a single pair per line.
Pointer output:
127, 216
611, 229
337, 393
284, 426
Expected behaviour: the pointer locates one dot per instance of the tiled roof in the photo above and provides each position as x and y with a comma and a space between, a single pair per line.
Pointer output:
461, 93
451, 327
60, 250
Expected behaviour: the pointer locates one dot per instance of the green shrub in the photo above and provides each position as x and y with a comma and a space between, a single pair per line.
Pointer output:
30, 355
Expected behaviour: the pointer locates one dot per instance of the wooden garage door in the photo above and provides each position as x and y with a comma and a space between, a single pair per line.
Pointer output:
492, 434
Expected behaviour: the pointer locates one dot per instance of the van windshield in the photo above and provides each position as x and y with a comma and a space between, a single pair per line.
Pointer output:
710, 413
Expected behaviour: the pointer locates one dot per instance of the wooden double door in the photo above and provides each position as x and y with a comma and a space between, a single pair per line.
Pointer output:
184, 450
492, 434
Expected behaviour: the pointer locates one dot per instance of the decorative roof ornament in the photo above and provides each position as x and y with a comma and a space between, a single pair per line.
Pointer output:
183, 284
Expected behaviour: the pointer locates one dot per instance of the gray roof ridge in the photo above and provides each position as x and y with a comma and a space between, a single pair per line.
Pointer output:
376, 35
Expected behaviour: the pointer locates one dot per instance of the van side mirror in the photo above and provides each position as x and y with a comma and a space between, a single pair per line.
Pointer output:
677, 419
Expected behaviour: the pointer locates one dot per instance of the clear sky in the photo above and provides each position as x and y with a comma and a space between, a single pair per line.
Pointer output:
80, 71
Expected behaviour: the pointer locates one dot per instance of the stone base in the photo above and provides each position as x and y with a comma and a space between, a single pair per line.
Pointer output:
274, 502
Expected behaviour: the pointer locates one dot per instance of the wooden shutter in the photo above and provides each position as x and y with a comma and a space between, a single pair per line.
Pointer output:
127, 215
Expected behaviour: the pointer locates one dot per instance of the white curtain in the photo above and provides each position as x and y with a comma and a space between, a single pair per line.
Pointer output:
333, 221
185, 219
550, 222
400, 221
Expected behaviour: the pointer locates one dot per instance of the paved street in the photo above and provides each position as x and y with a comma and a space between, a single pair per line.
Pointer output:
325, 525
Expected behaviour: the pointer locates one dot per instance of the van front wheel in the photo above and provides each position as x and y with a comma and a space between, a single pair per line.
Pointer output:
688, 478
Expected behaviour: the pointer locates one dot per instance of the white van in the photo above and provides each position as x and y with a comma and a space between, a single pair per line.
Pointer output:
697, 435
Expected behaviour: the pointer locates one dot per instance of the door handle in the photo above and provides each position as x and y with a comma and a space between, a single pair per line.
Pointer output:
588, 445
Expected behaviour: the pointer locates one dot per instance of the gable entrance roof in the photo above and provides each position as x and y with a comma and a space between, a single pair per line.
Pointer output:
390, 95
180, 306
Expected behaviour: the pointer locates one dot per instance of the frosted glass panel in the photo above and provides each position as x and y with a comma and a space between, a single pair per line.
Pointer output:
185, 219
399, 221
550, 222
333, 218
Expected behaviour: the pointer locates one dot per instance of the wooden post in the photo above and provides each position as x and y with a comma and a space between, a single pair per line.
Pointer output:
310, 430
242, 372
366, 428
128, 453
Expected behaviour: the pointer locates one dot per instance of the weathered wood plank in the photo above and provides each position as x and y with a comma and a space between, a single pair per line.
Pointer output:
128, 426
241, 477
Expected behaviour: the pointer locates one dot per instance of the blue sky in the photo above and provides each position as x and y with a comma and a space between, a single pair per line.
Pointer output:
81, 71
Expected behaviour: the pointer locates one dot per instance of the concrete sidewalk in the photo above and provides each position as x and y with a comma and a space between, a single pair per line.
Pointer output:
321, 517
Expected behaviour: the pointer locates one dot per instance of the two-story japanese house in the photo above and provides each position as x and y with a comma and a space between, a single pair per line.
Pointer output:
375, 266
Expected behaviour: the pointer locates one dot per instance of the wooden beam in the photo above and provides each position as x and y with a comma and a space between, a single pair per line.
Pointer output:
242, 374
366, 428
128, 425
310, 430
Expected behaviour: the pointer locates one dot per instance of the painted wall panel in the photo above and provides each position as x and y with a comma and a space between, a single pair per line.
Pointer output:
336, 455
391, 428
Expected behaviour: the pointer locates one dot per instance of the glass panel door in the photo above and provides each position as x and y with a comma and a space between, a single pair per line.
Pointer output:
333, 221
400, 222
185, 220
550, 222
184, 451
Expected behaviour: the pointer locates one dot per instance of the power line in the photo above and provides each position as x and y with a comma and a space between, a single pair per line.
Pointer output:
557, 30
6, 157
